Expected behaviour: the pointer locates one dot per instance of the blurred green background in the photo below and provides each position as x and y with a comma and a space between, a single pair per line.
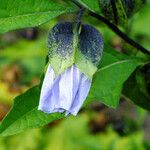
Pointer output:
22, 60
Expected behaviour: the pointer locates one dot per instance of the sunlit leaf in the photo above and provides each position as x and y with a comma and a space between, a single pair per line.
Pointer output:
108, 81
16, 14
24, 114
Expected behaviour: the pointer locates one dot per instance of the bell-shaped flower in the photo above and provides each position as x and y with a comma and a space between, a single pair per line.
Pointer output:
72, 64
65, 93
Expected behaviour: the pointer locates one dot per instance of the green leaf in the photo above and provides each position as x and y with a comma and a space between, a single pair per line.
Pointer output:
16, 14
135, 93
142, 22
114, 11
107, 83
131, 7
120, 11
24, 114
109, 79
121, 14
90, 4
143, 80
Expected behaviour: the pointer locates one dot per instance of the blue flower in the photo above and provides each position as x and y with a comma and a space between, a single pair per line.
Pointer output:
65, 93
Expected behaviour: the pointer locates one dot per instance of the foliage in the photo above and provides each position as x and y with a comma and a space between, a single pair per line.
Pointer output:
28, 13
61, 137
117, 71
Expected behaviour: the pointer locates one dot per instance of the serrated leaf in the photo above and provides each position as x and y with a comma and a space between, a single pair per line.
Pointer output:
24, 114
16, 14
109, 79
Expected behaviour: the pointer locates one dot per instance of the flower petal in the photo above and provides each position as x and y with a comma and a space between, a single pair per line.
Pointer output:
47, 86
81, 95
67, 88
65, 93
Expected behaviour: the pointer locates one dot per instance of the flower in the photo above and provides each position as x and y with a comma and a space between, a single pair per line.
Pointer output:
73, 60
65, 93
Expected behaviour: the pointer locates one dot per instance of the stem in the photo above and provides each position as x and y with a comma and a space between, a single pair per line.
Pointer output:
115, 29
79, 19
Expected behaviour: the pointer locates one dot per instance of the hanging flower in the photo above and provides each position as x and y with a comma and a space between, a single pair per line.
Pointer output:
67, 92
72, 63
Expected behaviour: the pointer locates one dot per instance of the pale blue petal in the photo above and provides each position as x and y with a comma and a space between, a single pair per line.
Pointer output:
47, 86
65, 91
81, 95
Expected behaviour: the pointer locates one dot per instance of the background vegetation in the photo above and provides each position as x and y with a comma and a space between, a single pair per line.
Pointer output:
123, 80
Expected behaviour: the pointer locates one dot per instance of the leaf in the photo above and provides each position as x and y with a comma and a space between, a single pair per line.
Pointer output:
16, 14
120, 11
109, 79
24, 114
65, 136
131, 7
121, 14
133, 91
143, 80
90, 4
114, 11
142, 22
115, 69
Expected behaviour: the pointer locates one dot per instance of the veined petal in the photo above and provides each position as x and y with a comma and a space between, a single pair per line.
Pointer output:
81, 95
